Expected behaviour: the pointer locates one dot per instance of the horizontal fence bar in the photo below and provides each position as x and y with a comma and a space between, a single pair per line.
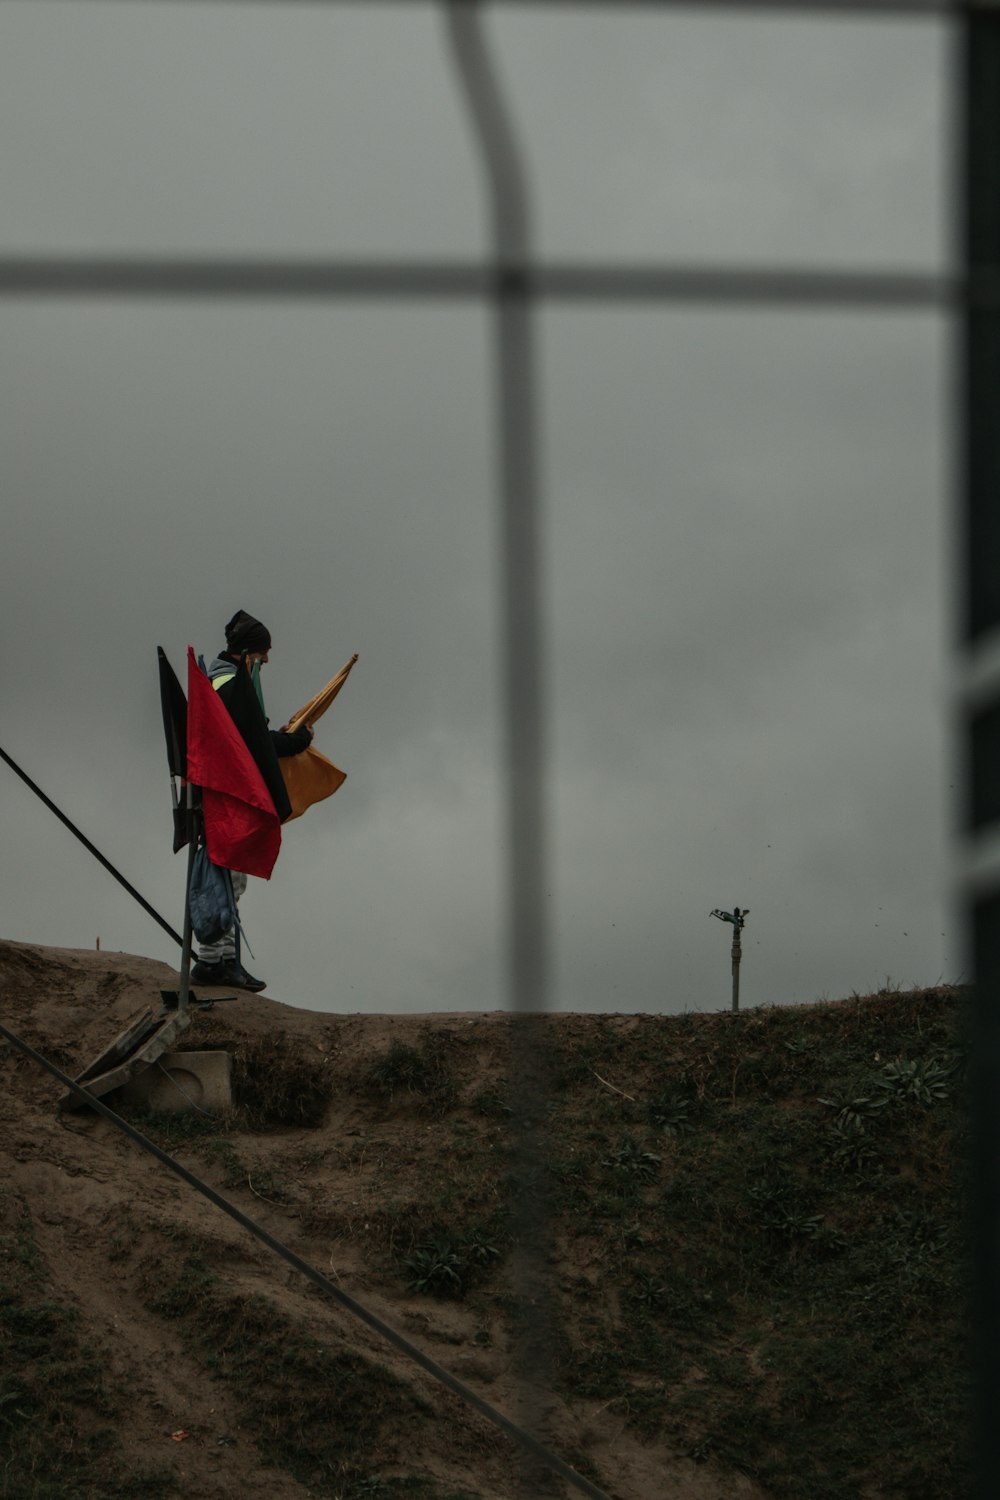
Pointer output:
857, 9
32, 276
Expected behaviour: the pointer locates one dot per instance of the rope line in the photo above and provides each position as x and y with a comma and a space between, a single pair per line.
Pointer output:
524, 1439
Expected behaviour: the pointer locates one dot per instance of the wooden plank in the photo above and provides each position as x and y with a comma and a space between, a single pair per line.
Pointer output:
137, 1047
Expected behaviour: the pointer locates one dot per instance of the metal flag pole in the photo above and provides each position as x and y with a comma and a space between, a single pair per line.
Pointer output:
193, 834
737, 917
187, 817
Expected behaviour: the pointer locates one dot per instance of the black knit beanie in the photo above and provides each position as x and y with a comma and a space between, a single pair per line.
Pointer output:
244, 633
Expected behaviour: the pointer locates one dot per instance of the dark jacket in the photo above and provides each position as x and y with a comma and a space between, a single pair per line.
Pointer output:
221, 670
232, 682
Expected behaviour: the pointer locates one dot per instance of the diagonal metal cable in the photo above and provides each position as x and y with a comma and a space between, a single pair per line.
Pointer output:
91, 848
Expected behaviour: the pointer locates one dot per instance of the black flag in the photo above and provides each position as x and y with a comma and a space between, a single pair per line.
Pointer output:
174, 706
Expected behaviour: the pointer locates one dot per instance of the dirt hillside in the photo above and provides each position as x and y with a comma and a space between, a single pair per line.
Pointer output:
151, 1347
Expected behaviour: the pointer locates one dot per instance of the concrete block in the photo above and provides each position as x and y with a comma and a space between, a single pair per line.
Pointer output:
180, 1081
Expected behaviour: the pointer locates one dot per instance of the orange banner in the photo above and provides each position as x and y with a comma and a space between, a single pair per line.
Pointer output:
311, 777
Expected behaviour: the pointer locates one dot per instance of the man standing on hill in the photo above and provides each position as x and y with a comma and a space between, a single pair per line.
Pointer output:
248, 646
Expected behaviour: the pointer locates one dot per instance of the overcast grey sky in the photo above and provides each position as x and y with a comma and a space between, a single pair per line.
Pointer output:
747, 511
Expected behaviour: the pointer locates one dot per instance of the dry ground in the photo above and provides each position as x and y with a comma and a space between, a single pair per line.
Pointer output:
112, 1227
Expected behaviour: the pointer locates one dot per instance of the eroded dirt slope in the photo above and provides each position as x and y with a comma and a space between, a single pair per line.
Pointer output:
191, 1391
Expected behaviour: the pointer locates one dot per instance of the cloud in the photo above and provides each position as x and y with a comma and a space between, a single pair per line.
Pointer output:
746, 591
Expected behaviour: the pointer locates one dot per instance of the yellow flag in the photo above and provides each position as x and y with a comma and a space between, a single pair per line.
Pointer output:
309, 776
318, 706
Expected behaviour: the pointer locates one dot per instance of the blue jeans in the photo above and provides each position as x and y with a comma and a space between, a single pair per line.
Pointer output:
223, 950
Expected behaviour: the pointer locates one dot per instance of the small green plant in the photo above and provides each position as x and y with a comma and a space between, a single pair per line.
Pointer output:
447, 1268
436, 1268
793, 1224
852, 1150
631, 1160
570, 1170
650, 1291
854, 1113
923, 1080
779, 1212
670, 1112
492, 1103
632, 1235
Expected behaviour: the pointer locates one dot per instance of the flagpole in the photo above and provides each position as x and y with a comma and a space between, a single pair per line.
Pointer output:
193, 832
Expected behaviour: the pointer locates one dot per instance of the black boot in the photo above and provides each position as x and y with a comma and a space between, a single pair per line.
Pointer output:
234, 974
203, 973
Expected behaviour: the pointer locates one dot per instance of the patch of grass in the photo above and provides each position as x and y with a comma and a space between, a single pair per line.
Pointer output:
196, 1282
920, 1080
420, 1072
760, 1254
57, 1408
19, 1253
785, 1290
173, 1130
493, 1103
448, 1268
279, 1080
375, 1488
315, 1409
629, 1160
670, 1111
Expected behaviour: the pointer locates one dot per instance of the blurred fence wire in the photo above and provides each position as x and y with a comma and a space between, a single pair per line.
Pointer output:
514, 282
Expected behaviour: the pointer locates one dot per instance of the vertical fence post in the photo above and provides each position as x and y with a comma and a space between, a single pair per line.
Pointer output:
979, 436
522, 575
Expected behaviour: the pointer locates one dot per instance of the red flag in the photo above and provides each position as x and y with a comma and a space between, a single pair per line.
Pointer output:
242, 831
